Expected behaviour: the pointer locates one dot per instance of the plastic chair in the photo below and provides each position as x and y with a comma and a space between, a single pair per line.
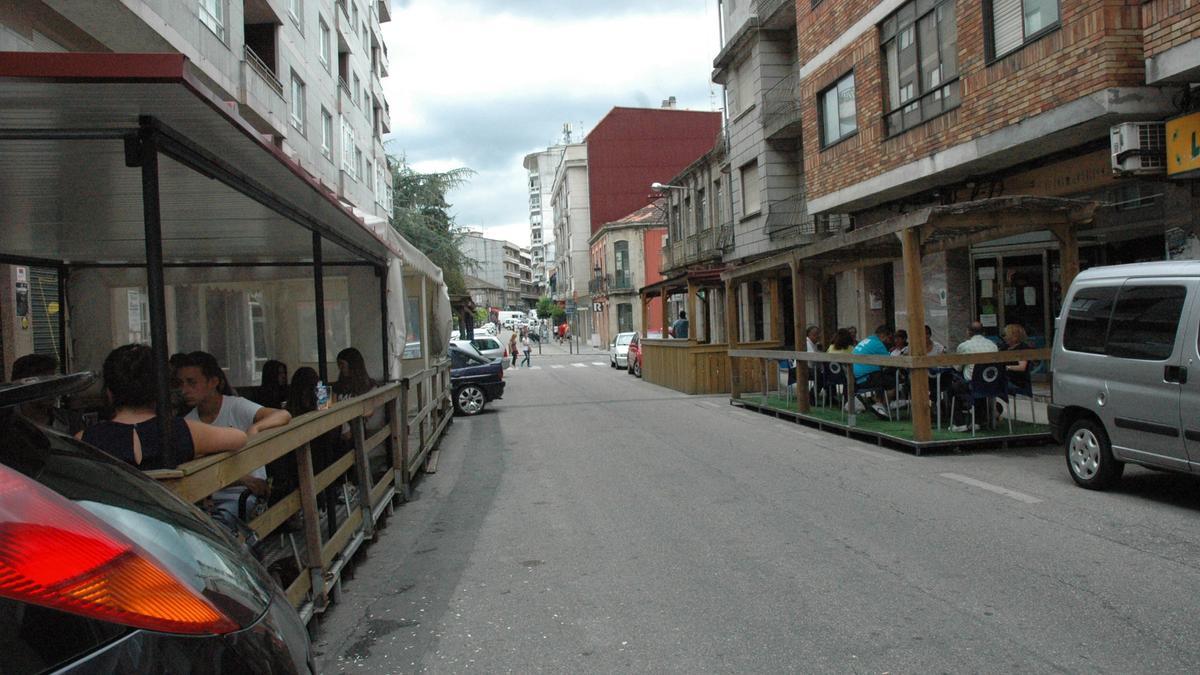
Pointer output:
834, 375
1013, 391
788, 379
989, 381
876, 393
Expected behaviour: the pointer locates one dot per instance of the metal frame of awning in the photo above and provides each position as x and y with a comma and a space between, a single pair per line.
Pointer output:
42, 113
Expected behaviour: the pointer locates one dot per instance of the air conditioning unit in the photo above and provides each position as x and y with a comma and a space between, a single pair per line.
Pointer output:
1139, 148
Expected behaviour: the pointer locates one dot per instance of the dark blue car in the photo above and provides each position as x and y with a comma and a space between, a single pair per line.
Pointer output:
475, 380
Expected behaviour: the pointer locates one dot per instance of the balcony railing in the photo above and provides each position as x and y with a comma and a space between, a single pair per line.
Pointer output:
263, 70
790, 217
611, 283
704, 246
781, 108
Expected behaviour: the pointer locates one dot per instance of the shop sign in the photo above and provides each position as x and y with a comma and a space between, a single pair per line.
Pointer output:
1183, 144
1079, 174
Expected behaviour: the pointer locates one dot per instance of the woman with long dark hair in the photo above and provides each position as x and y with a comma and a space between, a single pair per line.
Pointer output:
353, 379
274, 390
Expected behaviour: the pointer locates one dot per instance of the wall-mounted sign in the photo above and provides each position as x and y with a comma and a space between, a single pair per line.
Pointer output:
1183, 144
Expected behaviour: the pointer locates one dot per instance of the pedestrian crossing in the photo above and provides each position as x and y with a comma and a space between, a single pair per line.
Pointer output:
560, 366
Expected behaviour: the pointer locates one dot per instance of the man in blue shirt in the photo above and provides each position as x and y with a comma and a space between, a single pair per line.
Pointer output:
875, 378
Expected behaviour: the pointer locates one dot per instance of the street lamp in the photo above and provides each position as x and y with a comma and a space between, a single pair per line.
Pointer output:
660, 187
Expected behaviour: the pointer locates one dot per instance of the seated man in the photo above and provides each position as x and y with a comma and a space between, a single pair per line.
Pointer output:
875, 377
46, 412
679, 329
202, 382
900, 343
977, 343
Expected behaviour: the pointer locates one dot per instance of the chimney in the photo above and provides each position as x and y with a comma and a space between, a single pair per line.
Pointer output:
669, 103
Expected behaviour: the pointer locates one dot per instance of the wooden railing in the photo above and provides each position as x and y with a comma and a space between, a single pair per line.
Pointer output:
408, 440
692, 367
766, 362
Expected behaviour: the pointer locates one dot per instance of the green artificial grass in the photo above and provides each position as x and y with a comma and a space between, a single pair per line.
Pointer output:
900, 429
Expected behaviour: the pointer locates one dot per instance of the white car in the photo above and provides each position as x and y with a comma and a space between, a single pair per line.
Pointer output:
485, 345
618, 351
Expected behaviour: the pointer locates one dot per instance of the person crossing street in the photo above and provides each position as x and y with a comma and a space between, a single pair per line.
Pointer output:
527, 348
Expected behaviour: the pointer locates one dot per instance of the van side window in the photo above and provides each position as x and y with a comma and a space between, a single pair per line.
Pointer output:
1145, 321
1087, 319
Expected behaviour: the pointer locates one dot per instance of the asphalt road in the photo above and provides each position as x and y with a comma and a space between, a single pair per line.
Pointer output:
591, 522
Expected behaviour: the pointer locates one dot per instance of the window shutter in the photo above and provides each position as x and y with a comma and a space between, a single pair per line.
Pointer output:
1007, 33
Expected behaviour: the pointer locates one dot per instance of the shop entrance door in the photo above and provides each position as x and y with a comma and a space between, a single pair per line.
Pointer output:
1012, 288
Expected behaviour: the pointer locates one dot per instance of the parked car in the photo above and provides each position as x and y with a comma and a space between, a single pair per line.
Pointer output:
1125, 342
103, 570
633, 356
485, 345
474, 380
618, 351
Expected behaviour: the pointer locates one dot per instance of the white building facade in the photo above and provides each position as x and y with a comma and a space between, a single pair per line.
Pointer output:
541, 167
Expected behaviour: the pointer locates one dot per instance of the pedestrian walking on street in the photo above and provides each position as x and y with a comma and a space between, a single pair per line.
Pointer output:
512, 347
527, 348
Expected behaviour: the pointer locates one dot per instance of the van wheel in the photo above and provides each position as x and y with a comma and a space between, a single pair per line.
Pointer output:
1089, 456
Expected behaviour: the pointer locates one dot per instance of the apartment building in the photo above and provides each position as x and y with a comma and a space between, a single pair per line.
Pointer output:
500, 265
925, 103
626, 255
540, 179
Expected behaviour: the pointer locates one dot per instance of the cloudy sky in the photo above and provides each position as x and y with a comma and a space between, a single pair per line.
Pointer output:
481, 83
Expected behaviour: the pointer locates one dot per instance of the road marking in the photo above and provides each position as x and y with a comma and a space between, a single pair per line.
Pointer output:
558, 366
600, 363
535, 367
1003, 491
579, 365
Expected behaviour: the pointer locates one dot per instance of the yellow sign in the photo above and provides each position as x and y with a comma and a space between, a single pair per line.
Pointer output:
52, 308
1183, 144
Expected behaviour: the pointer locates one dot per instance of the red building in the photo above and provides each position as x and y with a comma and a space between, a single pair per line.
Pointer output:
633, 147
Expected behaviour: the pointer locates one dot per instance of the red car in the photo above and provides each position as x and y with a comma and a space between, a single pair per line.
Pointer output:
634, 359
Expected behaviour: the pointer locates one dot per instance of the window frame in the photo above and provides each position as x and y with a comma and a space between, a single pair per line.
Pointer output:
208, 18
742, 189
299, 123
943, 85
325, 43
326, 134
989, 38
296, 13
850, 74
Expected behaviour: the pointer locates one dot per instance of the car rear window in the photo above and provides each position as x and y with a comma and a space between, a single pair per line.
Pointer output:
1087, 319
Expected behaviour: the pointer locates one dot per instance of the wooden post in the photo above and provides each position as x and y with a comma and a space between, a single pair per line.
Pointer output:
1068, 255
731, 336
691, 309
422, 399
362, 472
312, 525
396, 411
644, 329
776, 305
405, 435
851, 415
666, 314
914, 301
800, 322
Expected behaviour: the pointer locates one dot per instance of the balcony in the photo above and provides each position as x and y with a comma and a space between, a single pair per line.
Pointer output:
701, 247
385, 11
776, 14
781, 108
621, 282
260, 97
790, 218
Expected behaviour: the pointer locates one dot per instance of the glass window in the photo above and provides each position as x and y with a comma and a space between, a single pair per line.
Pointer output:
1145, 321
751, 195
1087, 319
326, 134
358, 163
920, 54
701, 208
839, 117
624, 321
296, 10
212, 14
1016, 22
621, 265
326, 45
297, 103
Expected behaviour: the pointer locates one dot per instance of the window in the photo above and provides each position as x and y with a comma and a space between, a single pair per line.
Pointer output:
1014, 23
296, 11
347, 146
621, 276
920, 56
353, 13
701, 223
326, 45
1087, 319
297, 103
356, 91
326, 134
212, 14
751, 195
716, 191
839, 117
358, 163
625, 319
369, 175
1145, 321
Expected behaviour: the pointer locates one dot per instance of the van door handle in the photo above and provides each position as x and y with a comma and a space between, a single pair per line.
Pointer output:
1176, 374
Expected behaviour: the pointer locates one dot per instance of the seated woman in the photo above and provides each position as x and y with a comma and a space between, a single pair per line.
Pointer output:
1015, 339
843, 342
274, 389
134, 434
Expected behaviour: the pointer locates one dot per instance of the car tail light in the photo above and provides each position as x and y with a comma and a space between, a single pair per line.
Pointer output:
57, 555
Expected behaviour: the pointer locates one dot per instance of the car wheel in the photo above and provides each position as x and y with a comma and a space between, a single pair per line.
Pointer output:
637, 369
612, 363
1089, 456
469, 400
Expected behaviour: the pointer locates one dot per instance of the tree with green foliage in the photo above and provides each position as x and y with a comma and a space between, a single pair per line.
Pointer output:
422, 216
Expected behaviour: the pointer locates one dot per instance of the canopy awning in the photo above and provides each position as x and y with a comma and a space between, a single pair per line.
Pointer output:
709, 277
68, 193
941, 228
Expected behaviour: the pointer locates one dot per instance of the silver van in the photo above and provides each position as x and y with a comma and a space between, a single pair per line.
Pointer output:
1126, 371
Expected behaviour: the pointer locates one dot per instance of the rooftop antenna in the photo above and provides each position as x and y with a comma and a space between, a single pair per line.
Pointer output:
566, 132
